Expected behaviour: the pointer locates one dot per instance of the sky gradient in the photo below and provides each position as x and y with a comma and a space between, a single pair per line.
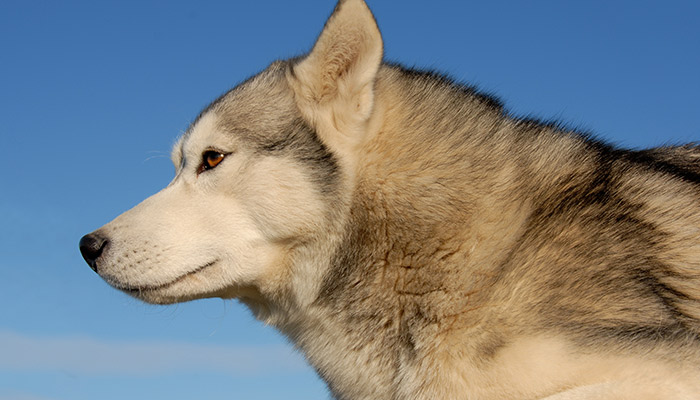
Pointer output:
94, 93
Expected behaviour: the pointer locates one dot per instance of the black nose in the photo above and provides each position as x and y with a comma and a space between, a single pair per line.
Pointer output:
91, 247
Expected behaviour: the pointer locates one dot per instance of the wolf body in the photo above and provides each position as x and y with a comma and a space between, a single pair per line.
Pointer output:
416, 242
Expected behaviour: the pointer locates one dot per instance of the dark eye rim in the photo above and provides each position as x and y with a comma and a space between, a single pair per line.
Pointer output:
205, 166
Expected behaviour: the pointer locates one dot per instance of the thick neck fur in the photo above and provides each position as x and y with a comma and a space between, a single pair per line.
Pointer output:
438, 224
409, 270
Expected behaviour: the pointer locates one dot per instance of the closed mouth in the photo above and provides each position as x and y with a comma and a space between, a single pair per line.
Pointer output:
150, 288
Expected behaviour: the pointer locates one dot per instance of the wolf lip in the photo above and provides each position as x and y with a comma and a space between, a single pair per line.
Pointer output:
149, 288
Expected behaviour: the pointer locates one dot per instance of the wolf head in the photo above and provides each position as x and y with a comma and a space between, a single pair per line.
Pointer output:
263, 180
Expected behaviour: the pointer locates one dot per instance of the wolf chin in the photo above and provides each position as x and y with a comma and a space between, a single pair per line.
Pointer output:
416, 242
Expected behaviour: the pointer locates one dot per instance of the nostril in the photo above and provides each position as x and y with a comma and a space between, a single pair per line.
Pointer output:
91, 247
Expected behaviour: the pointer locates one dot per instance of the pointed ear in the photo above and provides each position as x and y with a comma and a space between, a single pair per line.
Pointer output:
335, 82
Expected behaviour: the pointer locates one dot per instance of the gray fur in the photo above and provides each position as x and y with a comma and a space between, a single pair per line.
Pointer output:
435, 246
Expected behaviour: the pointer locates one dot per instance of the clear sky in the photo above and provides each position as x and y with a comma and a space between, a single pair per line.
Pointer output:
94, 93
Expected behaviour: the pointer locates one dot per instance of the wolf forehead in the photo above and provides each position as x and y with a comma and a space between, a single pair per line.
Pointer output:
247, 113
260, 114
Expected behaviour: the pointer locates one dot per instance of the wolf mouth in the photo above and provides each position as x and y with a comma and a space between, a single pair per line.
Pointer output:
150, 288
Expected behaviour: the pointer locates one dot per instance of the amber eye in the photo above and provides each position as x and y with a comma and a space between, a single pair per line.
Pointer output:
210, 159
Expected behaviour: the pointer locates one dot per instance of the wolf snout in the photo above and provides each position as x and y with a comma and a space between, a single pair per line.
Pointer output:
91, 247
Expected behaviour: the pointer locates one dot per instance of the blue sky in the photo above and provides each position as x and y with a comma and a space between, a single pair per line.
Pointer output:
94, 93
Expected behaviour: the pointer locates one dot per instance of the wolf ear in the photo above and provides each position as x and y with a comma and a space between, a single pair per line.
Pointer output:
334, 84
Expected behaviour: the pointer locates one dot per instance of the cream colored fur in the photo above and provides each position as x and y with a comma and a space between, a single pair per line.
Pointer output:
395, 276
334, 84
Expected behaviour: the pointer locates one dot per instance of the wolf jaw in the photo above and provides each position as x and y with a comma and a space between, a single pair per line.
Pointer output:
415, 242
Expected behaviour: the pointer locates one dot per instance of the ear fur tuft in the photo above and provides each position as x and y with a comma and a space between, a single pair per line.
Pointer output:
334, 83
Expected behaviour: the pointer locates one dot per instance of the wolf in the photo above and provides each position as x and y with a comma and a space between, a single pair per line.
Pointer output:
415, 241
